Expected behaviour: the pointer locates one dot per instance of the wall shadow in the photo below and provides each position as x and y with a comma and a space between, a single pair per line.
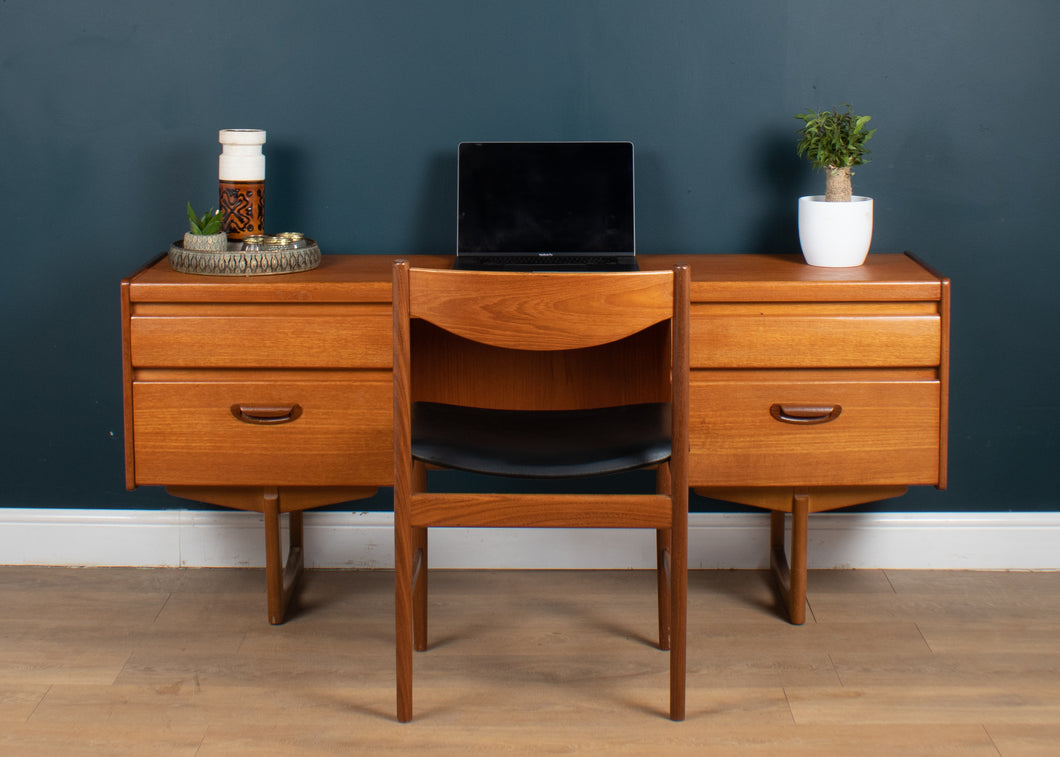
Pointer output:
435, 215
780, 174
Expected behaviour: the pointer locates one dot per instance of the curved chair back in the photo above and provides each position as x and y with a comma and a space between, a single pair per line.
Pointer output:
564, 312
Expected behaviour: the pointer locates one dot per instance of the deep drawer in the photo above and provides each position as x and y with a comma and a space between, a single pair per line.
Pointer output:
777, 433
249, 336
847, 335
338, 433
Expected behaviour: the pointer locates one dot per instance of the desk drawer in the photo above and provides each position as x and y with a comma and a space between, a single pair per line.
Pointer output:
794, 335
291, 433
250, 336
751, 433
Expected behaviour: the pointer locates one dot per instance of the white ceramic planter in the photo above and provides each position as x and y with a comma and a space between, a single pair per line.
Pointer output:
835, 234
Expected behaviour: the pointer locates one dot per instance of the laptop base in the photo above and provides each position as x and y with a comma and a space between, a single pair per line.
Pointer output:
542, 263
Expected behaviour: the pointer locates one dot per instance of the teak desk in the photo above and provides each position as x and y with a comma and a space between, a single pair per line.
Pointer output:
811, 389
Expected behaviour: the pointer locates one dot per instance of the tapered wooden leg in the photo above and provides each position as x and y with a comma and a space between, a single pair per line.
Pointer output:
295, 532
791, 578
800, 517
776, 535
273, 557
281, 581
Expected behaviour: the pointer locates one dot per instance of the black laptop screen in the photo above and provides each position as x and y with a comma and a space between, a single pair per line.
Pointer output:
545, 197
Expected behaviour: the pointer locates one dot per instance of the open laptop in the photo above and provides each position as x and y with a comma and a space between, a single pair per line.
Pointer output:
545, 206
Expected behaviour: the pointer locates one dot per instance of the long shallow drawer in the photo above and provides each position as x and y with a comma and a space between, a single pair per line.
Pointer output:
817, 335
819, 433
250, 336
295, 433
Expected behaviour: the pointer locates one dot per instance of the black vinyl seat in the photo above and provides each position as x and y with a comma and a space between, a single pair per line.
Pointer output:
541, 444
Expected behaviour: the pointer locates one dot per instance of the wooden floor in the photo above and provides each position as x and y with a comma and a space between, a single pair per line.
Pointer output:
148, 661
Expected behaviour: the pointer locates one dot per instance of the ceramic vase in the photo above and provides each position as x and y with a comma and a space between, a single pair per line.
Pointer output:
241, 182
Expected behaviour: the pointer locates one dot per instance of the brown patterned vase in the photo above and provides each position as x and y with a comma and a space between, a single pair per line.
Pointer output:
241, 182
242, 205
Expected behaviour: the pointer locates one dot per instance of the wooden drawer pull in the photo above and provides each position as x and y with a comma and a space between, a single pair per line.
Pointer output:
266, 415
805, 414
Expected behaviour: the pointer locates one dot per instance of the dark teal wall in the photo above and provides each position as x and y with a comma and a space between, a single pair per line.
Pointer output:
109, 114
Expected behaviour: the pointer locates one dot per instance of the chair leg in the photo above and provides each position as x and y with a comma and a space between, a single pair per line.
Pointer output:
678, 617
419, 567
403, 613
663, 546
662, 549
672, 549
281, 581
419, 589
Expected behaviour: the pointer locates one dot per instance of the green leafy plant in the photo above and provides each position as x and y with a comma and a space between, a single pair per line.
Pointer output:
834, 141
208, 223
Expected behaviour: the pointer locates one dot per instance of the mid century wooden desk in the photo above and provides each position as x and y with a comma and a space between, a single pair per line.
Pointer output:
811, 389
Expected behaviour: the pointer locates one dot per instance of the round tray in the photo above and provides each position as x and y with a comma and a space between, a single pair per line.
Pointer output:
237, 262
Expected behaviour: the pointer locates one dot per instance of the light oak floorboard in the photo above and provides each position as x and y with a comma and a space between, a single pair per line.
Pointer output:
1026, 741
183, 662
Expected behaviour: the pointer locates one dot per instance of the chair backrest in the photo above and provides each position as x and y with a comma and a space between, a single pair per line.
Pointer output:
541, 340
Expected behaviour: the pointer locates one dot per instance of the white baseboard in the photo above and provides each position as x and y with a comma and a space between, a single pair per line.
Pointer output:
195, 538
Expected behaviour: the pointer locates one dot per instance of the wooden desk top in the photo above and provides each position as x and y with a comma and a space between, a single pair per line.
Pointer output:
715, 278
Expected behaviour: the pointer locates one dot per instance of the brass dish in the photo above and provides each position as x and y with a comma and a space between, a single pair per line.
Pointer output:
238, 262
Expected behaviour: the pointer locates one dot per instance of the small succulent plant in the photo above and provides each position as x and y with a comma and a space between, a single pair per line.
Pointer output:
208, 223
834, 141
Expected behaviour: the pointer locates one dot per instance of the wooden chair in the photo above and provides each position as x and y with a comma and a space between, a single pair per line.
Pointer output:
540, 375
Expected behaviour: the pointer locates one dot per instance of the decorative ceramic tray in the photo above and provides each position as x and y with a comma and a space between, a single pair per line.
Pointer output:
237, 262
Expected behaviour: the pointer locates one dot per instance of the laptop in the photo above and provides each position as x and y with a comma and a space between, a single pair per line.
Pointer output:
545, 206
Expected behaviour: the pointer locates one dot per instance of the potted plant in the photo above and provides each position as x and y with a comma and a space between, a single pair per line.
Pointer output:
835, 229
205, 232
